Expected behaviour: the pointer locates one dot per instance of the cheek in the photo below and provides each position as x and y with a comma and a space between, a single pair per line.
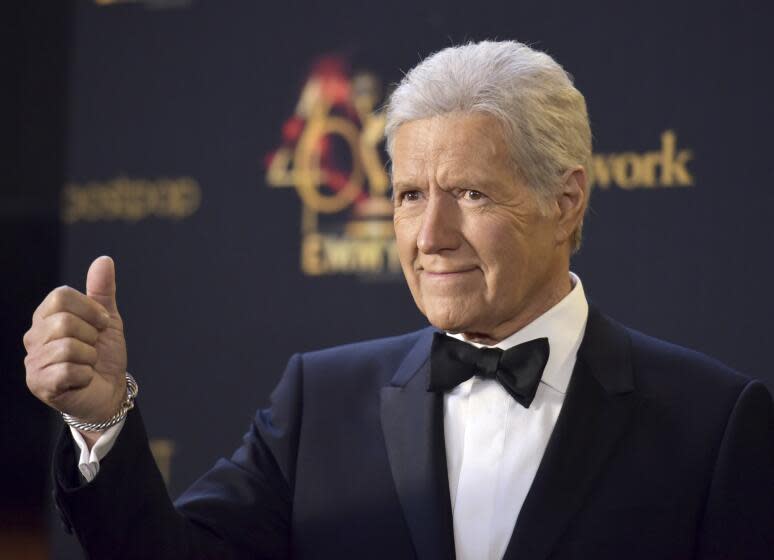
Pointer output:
414, 284
504, 257
405, 241
405, 238
498, 245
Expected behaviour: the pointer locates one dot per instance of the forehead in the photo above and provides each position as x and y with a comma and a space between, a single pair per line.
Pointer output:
456, 145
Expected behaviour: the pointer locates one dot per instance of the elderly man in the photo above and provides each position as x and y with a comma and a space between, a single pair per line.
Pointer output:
522, 424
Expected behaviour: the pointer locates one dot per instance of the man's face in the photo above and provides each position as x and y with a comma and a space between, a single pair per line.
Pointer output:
478, 254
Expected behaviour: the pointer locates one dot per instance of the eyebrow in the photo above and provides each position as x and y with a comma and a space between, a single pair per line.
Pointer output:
488, 186
402, 185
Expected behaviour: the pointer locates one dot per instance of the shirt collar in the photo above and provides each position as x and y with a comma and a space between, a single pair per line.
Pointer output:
563, 325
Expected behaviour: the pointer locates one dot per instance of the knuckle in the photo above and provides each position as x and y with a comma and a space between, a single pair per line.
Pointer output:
56, 299
31, 363
61, 324
60, 296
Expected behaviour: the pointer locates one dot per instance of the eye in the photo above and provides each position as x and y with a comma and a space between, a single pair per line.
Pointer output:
471, 194
408, 196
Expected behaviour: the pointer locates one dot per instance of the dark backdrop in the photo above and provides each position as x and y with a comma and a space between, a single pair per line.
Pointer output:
178, 109
33, 51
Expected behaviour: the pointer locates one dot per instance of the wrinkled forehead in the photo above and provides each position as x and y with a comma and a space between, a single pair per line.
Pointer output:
450, 147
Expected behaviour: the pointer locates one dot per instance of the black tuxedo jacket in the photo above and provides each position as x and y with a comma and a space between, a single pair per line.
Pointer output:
658, 453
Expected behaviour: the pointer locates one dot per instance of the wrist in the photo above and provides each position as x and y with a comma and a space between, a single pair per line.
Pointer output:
132, 389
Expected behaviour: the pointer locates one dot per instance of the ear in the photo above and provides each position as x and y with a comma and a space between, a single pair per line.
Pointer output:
572, 202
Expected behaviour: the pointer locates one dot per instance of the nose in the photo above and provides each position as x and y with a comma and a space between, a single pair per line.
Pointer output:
440, 224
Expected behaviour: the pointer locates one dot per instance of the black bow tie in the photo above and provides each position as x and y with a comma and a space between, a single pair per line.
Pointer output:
518, 369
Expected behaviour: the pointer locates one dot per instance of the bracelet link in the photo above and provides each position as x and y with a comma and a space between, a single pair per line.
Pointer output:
132, 389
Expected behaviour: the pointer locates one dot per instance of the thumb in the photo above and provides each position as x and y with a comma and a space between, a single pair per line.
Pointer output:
101, 283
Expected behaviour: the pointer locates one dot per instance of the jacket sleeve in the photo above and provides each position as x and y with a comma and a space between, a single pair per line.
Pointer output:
241, 508
738, 521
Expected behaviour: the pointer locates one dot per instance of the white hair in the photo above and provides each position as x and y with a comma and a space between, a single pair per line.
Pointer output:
543, 115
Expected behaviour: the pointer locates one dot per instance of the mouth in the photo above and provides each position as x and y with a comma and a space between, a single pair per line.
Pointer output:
446, 273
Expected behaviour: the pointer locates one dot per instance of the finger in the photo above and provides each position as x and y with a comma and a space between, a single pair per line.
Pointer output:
53, 381
67, 325
30, 338
59, 325
66, 350
101, 283
69, 300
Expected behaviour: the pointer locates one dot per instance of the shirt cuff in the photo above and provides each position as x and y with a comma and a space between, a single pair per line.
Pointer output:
88, 462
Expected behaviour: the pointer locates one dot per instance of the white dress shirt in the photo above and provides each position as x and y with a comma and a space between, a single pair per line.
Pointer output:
494, 445
88, 461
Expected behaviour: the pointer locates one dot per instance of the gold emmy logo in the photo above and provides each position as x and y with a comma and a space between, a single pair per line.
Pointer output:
332, 155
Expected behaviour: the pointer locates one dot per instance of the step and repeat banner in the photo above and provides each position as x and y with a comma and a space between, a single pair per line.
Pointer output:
229, 156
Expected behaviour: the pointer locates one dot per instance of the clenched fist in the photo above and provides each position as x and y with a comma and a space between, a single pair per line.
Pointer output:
76, 352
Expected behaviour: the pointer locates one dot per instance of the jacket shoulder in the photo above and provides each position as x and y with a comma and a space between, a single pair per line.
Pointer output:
682, 392
676, 365
380, 357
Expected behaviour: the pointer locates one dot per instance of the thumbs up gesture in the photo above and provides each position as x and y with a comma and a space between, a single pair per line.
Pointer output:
76, 352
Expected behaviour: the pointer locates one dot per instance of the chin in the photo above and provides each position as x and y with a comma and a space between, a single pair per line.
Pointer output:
451, 312
448, 321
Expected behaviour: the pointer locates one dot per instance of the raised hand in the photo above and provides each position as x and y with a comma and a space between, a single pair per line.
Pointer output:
76, 352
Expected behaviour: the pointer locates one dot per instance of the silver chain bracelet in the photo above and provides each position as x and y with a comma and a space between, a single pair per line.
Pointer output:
131, 393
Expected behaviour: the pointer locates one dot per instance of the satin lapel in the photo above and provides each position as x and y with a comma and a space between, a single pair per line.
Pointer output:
412, 421
596, 413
